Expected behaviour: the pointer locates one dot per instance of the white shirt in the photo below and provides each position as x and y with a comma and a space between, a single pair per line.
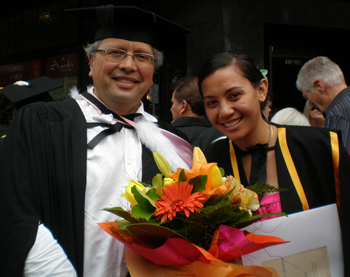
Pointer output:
110, 165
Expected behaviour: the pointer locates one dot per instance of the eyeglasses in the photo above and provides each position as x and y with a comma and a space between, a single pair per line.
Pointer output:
117, 55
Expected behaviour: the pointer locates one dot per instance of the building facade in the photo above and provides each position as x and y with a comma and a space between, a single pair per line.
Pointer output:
40, 39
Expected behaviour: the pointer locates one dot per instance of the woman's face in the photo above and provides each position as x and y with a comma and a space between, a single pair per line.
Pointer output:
316, 117
232, 104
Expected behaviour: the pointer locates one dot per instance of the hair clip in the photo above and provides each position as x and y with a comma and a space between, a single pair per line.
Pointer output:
264, 73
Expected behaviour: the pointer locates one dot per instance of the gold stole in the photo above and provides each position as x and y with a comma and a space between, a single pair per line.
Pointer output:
291, 167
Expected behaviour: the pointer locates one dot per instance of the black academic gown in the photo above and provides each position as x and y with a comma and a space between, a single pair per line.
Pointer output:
193, 127
311, 152
43, 178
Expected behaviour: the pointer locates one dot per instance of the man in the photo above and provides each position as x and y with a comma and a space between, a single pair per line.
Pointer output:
67, 160
322, 82
188, 108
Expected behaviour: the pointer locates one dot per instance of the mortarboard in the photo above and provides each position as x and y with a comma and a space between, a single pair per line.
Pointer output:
24, 92
131, 23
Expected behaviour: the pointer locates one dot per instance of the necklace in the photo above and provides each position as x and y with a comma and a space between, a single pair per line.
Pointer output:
270, 136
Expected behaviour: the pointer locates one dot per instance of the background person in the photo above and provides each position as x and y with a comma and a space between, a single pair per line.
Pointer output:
314, 116
322, 82
187, 108
63, 162
255, 150
290, 116
22, 93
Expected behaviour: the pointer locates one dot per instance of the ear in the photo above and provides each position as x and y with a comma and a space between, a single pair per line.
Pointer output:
91, 60
262, 90
319, 86
184, 106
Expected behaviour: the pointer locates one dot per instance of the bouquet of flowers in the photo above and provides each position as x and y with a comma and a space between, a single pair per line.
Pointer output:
190, 216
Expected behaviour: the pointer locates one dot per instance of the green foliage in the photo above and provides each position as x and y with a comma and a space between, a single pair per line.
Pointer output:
120, 212
145, 206
152, 194
199, 228
262, 188
157, 183
182, 176
198, 183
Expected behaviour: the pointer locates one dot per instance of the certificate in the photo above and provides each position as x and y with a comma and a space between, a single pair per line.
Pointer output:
314, 247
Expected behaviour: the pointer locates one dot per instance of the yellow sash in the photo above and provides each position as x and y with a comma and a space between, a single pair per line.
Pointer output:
336, 157
291, 167
234, 163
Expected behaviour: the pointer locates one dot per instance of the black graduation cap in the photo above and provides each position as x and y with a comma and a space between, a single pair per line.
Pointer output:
24, 92
131, 23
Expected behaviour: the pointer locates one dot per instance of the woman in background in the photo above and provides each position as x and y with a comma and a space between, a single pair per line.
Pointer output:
290, 116
314, 116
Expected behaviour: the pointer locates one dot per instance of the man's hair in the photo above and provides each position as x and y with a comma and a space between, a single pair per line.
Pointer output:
319, 68
186, 88
91, 47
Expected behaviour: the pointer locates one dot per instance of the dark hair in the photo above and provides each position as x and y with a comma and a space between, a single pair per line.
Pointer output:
246, 65
187, 89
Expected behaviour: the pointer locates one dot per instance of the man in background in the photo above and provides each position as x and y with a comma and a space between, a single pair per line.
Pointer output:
322, 82
188, 108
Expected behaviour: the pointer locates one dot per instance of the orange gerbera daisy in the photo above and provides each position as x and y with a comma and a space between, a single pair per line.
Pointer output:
176, 198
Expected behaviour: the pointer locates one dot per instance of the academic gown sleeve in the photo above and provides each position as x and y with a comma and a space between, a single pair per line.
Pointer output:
42, 178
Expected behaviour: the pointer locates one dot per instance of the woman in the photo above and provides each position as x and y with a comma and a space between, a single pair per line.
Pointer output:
315, 117
290, 116
255, 150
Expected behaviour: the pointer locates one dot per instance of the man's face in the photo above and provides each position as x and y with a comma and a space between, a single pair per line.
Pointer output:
176, 107
121, 85
315, 99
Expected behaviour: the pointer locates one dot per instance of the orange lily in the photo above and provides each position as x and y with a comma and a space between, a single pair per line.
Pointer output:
200, 166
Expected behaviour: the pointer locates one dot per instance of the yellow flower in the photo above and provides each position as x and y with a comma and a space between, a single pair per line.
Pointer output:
162, 164
128, 194
246, 199
198, 155
249, 202
168, 181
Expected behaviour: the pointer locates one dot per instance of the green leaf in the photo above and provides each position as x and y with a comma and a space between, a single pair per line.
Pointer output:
141, 198
262, 188
222, 171
142, 211
152, 194
254, 218
122, 224
198, 183
124, 214
182, 176
145, 205
157, 183
151, 234
124, 232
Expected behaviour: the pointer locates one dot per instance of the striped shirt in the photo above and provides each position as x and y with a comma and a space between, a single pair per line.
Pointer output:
337, 116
